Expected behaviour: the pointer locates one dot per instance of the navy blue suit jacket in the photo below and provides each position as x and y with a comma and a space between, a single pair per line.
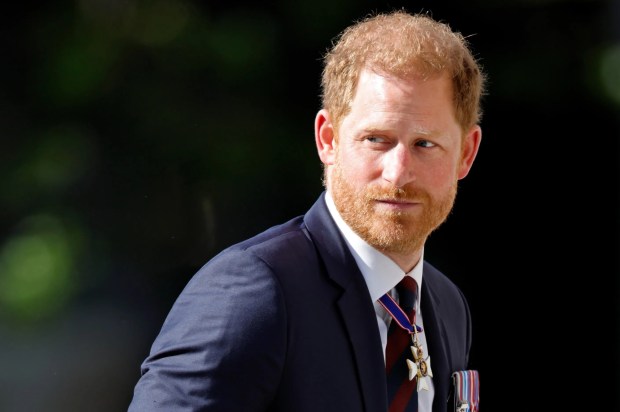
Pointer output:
284, 322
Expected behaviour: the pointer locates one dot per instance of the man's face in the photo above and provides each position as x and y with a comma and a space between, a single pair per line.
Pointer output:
397, 160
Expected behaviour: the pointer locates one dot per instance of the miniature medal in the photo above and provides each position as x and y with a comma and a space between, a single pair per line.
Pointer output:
420, 366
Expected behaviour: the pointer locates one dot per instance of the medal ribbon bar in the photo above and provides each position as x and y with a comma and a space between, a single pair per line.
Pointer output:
467, 390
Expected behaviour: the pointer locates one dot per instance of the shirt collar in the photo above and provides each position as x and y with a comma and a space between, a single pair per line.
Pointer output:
379, 271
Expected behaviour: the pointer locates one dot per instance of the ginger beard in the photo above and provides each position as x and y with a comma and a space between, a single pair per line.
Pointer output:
389, 231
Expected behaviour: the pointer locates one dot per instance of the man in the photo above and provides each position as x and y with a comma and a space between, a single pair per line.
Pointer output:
292, 319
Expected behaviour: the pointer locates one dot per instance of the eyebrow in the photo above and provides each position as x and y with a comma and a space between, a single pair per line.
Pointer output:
418, 131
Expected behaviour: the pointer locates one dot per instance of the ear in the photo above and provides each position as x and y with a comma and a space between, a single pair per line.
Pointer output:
324, 135
469, 150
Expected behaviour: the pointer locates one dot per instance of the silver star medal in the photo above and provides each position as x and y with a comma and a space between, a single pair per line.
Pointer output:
419, 367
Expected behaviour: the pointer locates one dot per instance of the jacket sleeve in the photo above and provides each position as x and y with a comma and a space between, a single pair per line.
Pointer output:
222, 345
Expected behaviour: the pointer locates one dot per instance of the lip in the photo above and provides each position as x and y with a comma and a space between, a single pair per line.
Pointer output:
400, 204
396, 201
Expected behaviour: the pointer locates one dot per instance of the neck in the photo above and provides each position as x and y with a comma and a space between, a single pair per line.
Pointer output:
405, 261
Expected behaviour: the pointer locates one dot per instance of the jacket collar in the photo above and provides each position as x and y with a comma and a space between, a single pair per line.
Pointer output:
354, 304
436, 338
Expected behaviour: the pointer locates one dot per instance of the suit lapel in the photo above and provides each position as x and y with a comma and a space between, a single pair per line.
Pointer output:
355, 305
436, 340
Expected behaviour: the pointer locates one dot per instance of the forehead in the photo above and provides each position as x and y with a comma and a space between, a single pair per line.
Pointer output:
383, 96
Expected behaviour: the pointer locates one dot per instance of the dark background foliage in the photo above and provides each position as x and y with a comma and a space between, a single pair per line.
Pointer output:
139, 138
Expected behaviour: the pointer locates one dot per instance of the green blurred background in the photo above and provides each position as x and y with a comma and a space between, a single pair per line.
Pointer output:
139, 138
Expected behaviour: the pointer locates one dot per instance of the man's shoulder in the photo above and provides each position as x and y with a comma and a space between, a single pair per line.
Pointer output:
438, 281
282, 247
275, 236
294, 233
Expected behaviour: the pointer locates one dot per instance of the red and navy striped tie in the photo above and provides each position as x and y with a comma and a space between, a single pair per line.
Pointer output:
402, 393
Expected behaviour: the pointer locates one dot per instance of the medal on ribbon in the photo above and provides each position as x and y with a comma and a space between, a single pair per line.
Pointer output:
419, 366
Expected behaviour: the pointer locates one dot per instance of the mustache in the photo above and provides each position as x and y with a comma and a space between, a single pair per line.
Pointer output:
395, 193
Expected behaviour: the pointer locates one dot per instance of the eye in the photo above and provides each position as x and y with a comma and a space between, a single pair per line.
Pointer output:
376, 139
425, 143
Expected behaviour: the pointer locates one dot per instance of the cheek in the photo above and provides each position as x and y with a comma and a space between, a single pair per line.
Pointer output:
441, 175
357, 166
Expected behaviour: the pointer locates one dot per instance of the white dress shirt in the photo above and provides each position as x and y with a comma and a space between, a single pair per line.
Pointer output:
382, 274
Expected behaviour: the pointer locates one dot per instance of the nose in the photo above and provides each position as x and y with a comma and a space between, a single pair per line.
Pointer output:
398, 166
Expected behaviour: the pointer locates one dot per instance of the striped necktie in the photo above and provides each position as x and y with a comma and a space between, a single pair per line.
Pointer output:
402, 393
